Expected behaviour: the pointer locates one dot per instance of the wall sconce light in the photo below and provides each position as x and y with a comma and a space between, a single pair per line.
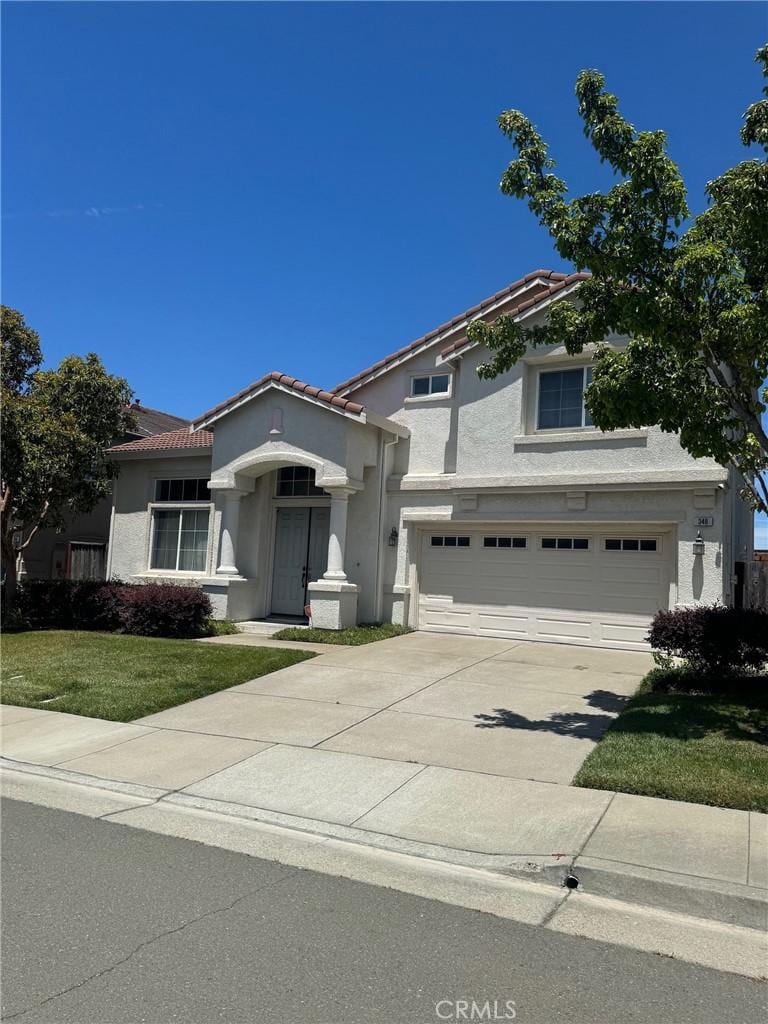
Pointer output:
392, 539
698, 544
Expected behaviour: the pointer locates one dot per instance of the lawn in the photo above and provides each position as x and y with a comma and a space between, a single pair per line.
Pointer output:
354, 636
700, 747
124, 677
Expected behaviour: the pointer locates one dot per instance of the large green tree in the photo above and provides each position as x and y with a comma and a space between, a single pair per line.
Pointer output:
56, 427
690, 292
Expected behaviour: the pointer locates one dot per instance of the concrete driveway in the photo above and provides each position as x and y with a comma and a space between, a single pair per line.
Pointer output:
516, 709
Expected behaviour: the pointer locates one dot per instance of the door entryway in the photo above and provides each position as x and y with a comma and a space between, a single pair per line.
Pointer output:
301, 556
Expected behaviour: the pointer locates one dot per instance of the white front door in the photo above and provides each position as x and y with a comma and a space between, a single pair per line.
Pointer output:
301, 554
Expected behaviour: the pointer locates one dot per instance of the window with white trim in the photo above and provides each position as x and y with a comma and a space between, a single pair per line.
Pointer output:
565, 543
561, 399
194, 489
631, 544
180, 539
449, 541
430, 384
504, 542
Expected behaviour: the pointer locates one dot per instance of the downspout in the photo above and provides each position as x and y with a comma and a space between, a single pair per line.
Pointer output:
384, 456
111, 528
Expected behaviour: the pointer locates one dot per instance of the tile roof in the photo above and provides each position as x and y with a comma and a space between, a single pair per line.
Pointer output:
153, 421
171, 439
560, 281
540, 295
283, 379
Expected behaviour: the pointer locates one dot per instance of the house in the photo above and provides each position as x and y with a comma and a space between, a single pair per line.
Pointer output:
417, 493
79, 551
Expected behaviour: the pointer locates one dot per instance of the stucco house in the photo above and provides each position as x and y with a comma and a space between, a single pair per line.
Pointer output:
417, 493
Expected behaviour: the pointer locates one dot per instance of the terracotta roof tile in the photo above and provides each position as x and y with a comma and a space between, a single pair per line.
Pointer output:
290, 382
556, 276
172, 439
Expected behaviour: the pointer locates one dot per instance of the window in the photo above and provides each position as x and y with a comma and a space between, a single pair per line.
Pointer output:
630, 544
180, 539
565, 543
504, 542
561, 399
87, 561
430, 384
449, 542
182, 490
298, 482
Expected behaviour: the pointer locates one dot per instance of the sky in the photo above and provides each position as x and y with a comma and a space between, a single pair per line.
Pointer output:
204, 192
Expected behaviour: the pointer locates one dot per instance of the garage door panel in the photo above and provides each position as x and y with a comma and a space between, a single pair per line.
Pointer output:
593, 596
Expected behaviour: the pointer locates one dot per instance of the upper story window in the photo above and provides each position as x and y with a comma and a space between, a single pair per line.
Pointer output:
561, 399
195, 489
430, 384
298, 482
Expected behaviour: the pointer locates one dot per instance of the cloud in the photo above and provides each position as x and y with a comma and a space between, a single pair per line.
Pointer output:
89, 211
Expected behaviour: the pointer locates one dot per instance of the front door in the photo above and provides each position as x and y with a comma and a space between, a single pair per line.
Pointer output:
301, 556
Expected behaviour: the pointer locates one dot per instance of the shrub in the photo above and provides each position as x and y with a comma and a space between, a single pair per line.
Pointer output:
150, 609
67, 604
162, 609
711, 638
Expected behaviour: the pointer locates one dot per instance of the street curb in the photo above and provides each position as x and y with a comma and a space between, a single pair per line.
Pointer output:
700, 898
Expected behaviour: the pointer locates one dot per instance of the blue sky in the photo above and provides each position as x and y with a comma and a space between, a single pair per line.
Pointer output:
204, 192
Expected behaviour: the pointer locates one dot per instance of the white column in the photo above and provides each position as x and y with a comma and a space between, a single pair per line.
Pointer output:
230, 522
337, 534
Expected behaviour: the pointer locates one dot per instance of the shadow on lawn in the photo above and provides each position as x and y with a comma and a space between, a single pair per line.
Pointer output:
673, 715
582, 725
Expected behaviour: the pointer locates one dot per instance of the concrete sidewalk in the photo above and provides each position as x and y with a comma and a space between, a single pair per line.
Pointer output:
450, 748
702, 861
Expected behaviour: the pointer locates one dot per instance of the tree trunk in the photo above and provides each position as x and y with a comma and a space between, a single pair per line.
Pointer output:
9, 574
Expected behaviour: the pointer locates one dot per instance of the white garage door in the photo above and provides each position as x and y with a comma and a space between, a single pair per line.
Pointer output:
566, 584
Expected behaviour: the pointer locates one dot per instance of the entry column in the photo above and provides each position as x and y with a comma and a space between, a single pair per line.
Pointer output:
230, 525
337, 533
333, 599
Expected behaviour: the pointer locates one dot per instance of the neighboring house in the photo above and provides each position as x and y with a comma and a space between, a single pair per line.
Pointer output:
416, 492
79, 551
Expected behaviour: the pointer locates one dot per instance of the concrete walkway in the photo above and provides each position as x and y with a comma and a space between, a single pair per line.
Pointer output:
456, 749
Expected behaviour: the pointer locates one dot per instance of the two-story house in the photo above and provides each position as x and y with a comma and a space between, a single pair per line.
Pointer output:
417, 493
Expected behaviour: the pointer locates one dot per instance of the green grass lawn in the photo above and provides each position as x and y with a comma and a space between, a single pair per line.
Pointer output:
700, 747
354, 636
124, 677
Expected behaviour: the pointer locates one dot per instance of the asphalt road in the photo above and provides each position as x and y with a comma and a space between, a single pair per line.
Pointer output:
104, 924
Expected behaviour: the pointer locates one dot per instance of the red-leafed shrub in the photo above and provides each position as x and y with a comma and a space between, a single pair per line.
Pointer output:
711, 638
162, 609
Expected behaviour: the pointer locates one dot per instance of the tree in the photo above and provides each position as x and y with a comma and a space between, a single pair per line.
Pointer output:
691, 294
56, 427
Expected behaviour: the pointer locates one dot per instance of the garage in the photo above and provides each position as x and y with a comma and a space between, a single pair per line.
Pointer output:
564, 584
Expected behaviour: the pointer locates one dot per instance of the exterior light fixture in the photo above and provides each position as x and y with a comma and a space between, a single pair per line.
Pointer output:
392, 539
698, 544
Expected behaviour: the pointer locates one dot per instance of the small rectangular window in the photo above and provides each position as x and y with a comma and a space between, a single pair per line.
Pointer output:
449, 541
430, 384
630, 544
297, 482
190, 489
490, 542
437, 542
463, 542
565, 543
505, 542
